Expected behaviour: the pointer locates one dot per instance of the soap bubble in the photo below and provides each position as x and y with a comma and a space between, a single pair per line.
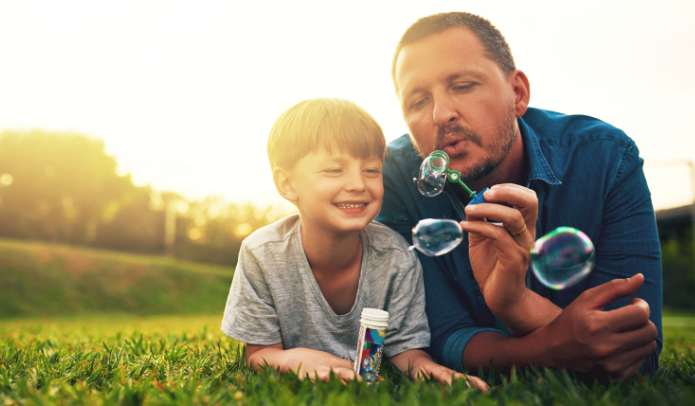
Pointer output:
562, 258
432, 176
436, 237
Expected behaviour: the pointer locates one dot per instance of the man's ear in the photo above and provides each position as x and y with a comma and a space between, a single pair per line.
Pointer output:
522, 91
283, 183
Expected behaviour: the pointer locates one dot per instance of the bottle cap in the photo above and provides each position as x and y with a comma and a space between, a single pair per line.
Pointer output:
374, 318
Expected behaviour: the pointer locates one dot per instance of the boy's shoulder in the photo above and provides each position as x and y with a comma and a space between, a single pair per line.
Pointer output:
382, 237
277, 232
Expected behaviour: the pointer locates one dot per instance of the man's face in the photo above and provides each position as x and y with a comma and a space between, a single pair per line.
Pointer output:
457, 100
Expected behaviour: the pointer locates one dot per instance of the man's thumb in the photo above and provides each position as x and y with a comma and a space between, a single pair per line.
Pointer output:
603, 295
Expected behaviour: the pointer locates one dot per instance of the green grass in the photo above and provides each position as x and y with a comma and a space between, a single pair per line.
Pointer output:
40, 279
69, 335
187, 360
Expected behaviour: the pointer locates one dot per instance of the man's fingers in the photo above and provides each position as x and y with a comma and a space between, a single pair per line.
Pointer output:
511, 193
603, 295
616, 352
630, 317
516, 196
631, 370
629, 340
512, 185
511, 218
636, 300
504, 242
624, 365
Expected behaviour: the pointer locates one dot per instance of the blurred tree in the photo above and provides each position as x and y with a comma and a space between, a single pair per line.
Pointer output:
63, 187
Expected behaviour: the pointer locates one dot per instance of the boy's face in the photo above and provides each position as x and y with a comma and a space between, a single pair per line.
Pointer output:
338, 191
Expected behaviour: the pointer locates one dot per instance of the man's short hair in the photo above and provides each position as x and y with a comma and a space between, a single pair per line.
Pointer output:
328, 123
496, 47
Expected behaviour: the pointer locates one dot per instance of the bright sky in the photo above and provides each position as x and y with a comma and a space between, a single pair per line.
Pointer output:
184, 93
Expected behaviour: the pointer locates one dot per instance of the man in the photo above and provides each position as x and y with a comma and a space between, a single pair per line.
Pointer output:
460, 92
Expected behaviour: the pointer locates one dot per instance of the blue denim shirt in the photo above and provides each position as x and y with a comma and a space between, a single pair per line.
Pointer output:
587, 175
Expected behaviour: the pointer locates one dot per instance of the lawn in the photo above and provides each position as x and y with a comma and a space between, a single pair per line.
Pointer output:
69, 334
43, 279
164, 360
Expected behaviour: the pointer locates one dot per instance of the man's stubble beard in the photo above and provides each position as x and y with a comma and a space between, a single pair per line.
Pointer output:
499, 148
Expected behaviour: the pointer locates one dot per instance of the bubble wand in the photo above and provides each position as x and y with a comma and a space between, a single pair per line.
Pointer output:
434, 172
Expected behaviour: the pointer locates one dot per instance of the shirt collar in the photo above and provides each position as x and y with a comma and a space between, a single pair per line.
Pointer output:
539, 169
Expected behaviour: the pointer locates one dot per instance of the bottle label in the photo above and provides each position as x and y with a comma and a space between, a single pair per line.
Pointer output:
370, 349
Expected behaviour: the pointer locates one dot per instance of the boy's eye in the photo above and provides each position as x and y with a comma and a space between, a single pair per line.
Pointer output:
373, 171
333, 170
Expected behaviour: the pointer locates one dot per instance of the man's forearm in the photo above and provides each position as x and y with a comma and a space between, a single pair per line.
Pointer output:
532, 312
503, 351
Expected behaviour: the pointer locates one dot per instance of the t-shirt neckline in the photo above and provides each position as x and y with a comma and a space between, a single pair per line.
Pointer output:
314, 286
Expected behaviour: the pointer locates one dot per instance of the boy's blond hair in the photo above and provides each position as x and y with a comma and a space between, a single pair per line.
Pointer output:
328, 123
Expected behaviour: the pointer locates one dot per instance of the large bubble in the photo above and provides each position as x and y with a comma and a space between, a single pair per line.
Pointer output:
562, 257
432, 177
435, 237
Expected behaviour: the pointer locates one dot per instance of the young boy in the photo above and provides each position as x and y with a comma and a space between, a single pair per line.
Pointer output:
301, 283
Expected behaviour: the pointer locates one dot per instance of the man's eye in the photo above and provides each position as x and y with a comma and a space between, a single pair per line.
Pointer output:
463, 87
420, 103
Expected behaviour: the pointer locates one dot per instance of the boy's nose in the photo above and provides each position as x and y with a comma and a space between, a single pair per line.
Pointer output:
355, 182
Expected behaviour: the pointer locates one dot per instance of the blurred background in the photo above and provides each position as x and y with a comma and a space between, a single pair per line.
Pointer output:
132, 133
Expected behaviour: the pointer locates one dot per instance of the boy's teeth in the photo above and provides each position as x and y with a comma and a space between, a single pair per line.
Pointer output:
351, 206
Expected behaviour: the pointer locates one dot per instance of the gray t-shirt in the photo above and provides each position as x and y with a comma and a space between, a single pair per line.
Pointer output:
275, 298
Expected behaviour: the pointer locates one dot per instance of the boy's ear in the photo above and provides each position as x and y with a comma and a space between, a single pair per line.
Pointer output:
283, 183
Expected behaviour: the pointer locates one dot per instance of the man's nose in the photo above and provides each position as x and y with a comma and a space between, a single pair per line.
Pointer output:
444, 111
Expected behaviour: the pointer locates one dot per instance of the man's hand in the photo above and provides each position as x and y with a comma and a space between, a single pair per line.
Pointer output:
421, 366
500, 256
582, 338
306, 363
585, 338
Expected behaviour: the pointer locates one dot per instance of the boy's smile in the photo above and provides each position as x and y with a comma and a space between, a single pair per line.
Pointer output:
352, 208
337, 191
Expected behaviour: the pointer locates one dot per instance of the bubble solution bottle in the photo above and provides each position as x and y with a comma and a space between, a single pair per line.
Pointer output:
370, 343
